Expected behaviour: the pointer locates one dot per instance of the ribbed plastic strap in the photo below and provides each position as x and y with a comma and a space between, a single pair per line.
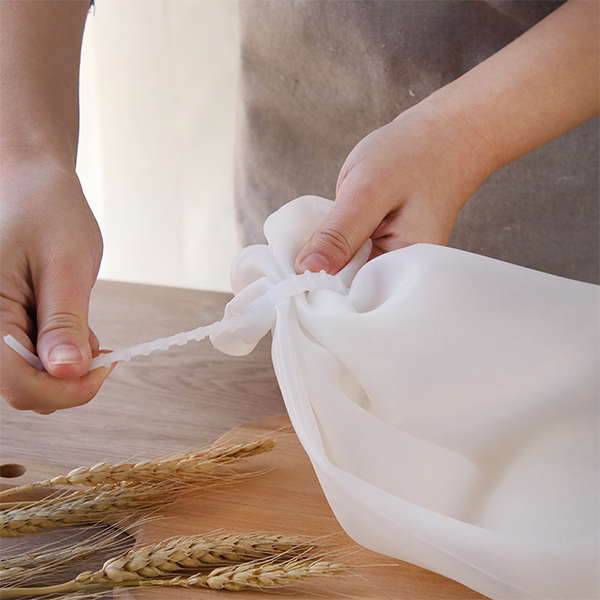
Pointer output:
256, 321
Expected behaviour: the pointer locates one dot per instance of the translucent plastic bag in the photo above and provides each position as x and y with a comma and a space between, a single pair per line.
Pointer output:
448, 402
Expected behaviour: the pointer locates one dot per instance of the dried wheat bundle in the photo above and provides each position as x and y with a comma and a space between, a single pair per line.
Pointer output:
192, 464
154, 565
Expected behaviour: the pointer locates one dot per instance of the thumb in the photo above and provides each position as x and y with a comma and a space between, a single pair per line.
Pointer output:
63, 342
351, 221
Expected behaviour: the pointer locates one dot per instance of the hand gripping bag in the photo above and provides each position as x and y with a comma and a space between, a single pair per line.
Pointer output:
447, 401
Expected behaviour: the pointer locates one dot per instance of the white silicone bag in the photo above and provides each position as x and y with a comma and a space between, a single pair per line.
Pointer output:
448, 403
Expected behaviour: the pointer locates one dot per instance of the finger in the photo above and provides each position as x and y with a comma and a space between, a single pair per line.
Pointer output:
62, 304
29, 389
416, 221
354, 216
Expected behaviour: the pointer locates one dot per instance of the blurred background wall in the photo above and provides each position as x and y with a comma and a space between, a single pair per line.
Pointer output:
158, 98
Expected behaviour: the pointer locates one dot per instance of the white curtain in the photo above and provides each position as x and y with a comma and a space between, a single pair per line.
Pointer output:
158, 96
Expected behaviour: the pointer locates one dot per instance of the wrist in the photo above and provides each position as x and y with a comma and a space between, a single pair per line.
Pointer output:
472, 144
455, 154
37, 144
40, 157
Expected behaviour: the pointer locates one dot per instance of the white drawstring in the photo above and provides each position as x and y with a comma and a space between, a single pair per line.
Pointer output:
254, 323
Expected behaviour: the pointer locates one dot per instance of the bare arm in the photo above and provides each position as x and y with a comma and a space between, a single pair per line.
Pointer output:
51, 244
407, 182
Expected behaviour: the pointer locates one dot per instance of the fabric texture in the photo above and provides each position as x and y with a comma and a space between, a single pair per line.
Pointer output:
319, 75
448, 403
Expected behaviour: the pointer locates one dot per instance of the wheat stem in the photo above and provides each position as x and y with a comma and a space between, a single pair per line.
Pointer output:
70, 586
190, 464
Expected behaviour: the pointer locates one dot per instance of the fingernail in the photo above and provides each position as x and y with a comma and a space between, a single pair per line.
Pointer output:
315, 263
64, 354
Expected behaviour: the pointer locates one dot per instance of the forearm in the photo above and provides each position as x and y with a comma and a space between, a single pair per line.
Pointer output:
40, 46
535, 89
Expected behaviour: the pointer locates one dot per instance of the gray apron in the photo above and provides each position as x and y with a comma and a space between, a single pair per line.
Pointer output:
319, 75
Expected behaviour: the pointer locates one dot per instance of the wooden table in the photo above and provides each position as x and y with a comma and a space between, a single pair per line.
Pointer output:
185, 397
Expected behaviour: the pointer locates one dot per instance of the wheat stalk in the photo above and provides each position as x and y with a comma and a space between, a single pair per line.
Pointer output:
189, 465
251, 576
195, 552
248, 576
86, 506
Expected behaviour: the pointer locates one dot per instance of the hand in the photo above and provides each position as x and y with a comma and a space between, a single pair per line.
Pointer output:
407, 181
404, 183
51, 252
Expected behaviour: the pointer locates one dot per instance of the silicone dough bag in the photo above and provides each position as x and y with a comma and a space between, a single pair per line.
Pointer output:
448, 403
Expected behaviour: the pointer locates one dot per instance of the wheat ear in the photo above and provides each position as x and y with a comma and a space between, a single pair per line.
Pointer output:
248, 576
86, 506
195, 552
192, 464
251, 576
